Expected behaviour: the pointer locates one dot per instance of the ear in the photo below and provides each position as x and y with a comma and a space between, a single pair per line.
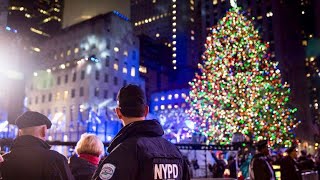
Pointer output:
43, 131
19, 132
146, 111
118, 112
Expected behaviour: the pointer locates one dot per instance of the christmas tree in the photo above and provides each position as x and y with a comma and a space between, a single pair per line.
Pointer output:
239, 89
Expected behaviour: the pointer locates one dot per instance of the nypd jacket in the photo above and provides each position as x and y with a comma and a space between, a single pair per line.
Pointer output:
260, 168
31, 159
139, 152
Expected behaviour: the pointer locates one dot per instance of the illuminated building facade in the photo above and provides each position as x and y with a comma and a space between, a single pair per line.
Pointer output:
173, 23
82, 69
35, 20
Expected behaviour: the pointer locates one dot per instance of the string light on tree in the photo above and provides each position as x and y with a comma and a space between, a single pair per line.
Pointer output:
239, 89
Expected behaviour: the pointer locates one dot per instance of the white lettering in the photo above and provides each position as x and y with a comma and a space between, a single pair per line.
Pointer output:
169, 170
166, 171
164, 168
175, 171
157, 171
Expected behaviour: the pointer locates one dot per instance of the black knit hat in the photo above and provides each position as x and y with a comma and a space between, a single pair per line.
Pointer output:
261, 144
291, 149
32, 118
131, 101
131, 96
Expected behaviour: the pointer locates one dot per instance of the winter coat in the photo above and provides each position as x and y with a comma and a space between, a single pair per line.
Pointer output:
289, 169
81, 169
260, 168
139, 152
30, 158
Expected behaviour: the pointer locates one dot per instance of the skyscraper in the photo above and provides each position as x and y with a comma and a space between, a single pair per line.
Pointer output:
174, 23
35, 20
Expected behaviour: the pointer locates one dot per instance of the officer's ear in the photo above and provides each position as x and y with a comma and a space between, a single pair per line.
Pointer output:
118, 112
146, 110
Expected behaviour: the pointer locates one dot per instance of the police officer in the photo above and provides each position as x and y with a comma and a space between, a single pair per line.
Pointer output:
260, 168
138, 152
289, 166
30, 156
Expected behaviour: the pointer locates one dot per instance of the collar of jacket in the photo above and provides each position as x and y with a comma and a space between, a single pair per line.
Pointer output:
29, 141
146, 128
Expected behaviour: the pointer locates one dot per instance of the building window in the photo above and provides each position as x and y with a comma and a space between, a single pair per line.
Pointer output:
82, 74
125, 70
50, 97
58, 96
74, 77
66, 79
97, 75
43, 98
115, 65
65, 95
115, 81
106, 78
96, 92
81, 93
105, 94
36, 100
30, 100
114, 96
134, 54
76, 50
58, 80
107, 61
133, 71
73, 93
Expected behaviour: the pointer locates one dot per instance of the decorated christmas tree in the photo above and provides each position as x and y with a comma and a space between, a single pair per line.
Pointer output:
239, 89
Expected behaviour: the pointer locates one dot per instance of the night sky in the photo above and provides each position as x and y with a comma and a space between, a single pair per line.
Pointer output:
79, 10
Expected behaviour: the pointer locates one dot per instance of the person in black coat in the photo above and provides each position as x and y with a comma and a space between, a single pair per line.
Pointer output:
88, 151
260, 168
289, 167
30, 157
139, 152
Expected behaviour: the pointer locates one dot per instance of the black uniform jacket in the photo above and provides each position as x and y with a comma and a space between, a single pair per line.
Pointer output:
30, 158
260, 168
139, 152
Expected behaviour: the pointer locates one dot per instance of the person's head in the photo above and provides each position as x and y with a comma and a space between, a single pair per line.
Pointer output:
34, 124
292, 152
132, 104
90, 144
262, 147
303, 153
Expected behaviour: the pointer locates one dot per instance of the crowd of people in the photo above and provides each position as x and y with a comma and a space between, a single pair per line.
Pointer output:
261, 164
138, 152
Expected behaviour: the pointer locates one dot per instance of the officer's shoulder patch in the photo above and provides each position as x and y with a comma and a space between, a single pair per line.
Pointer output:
107, 171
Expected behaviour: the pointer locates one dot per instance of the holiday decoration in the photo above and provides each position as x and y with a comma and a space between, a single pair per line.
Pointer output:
239, 89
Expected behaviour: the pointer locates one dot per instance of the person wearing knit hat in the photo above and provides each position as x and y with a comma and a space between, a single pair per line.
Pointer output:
289, 166
30, 156
260, 168
139, 151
